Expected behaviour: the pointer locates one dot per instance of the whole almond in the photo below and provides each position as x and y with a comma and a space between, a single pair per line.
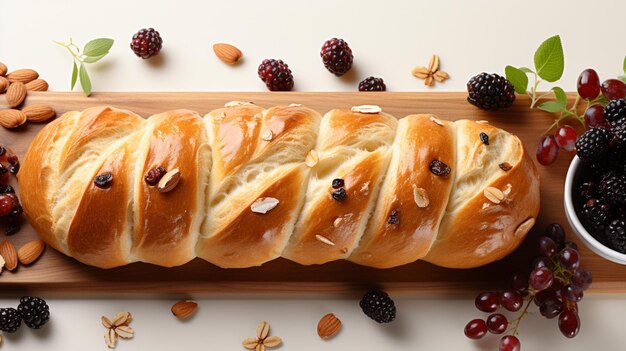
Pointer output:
8, 252
23, 75
4, 84
30, 251
12, 118
16, 94
3, 69
39, 113
169, 181
328, 326
37, 85
227, 53
184, 309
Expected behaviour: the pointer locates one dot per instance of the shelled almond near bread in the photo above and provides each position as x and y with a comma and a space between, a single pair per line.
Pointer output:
245, 185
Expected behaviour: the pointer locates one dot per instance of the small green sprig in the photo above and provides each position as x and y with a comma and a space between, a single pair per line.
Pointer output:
623, 78
93, 51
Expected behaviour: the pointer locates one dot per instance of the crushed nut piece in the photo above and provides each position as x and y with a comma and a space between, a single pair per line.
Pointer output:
494, 195
311, 159
436, 120
324, 239
2, 263
263, 340
237, 103
295, 105
431, 73
482, 121
420, 196
264, 204
118, 327
267, 134
328, 326
336, 224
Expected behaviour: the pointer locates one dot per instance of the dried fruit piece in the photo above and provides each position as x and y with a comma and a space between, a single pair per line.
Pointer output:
505, 166
30, 251
39, 113
23, 75
154, 175
227, 53
12, 118
328, 326
184, 309
439, 168
104, 180
37, 85
169, 181
8, 252
16, 94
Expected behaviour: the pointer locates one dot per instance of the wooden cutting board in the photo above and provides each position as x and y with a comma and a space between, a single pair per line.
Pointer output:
55, 273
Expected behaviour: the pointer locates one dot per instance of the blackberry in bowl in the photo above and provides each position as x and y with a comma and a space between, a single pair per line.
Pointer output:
595, 193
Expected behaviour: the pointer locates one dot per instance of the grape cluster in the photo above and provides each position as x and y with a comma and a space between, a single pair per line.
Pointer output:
10, 208
555, 284
595, 94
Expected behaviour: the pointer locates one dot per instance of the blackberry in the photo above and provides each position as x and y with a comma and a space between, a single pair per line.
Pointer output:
594, 144
615, 112
10, 320
276, 75
616, 235
613, 188
620, 136
34, 311
337, 56
597, 213
146, 43
490, 91
587, 190
378, 306
372, 84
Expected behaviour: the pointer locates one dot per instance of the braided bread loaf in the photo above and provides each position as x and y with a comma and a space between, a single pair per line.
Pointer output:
246, 185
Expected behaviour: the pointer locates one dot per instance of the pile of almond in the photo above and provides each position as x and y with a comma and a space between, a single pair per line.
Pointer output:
15, 85
26, 254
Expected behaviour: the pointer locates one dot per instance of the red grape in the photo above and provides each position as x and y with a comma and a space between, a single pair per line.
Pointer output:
541, 278
4, 175
511, 300
569, 259
547, 150
544, 295
571, 245
541, 261
487, 301
556, 232
572, 292
547, 246
519, 282
594, 117
565, 137
569, 323
509, 343
476, 329
6, 205
614, 89
497, 323
588, 84
582, 278
551, 308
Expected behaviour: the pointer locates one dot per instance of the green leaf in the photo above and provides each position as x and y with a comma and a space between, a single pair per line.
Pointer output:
623, 78
74, 75
518, 78
526, 69
624, 64
85, 82
92, 59
98, 47
549, 59
561, 97
551, 106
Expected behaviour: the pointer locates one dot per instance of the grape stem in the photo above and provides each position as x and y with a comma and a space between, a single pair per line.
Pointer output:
524, 311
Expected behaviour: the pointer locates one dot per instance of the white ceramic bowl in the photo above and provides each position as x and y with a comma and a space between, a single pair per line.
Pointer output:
571, 182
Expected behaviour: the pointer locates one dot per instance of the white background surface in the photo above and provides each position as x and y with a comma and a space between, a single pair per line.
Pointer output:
388, 38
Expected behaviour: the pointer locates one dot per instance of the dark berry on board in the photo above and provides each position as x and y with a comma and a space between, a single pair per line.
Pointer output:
276, 75
372, 84
490, 91
475, 329
336, 56
377, 305
146, 43
34, 311
10, 320
487, 301
594, 144
556, 232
